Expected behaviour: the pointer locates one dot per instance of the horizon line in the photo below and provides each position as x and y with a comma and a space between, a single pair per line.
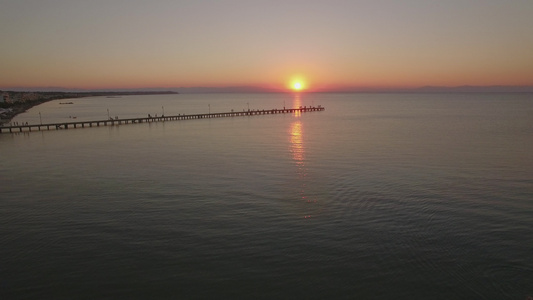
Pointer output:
258, 89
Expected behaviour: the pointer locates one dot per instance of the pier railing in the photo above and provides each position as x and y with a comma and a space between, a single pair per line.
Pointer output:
116, 121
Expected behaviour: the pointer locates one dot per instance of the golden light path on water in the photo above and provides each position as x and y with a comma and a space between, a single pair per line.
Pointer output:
298, 151
297, 148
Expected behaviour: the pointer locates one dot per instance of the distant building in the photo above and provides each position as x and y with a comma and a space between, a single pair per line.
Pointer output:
12, 97
4, 97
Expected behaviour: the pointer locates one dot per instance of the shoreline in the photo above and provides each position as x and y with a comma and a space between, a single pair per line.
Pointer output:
11, 110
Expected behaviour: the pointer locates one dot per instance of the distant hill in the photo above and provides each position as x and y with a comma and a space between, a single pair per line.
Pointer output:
476, 89
434, 89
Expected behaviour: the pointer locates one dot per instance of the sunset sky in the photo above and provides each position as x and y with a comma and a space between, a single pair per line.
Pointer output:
327, 44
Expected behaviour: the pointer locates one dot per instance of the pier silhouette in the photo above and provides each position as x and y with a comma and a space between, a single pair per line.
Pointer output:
116, 121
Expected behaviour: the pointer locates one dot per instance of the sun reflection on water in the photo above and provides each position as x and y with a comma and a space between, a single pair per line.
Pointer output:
297, 148
298, 153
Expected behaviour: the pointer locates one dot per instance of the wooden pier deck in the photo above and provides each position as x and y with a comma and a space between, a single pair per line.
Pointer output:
111, 122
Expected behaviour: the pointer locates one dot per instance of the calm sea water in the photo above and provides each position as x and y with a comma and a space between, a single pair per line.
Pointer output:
381, 196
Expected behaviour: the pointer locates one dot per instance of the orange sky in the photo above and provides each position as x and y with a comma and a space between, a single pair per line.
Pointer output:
329, 44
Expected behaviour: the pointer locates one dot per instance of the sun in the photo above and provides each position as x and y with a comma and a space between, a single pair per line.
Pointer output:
297, 83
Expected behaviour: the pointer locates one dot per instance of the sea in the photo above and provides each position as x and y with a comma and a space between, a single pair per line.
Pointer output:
380, 196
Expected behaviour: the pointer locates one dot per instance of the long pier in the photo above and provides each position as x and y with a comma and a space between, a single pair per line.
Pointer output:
116, 121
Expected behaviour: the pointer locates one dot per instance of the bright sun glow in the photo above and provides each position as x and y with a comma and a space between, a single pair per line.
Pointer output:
297, 83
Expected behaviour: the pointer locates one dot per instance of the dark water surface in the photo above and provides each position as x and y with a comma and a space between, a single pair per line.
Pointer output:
382, 196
